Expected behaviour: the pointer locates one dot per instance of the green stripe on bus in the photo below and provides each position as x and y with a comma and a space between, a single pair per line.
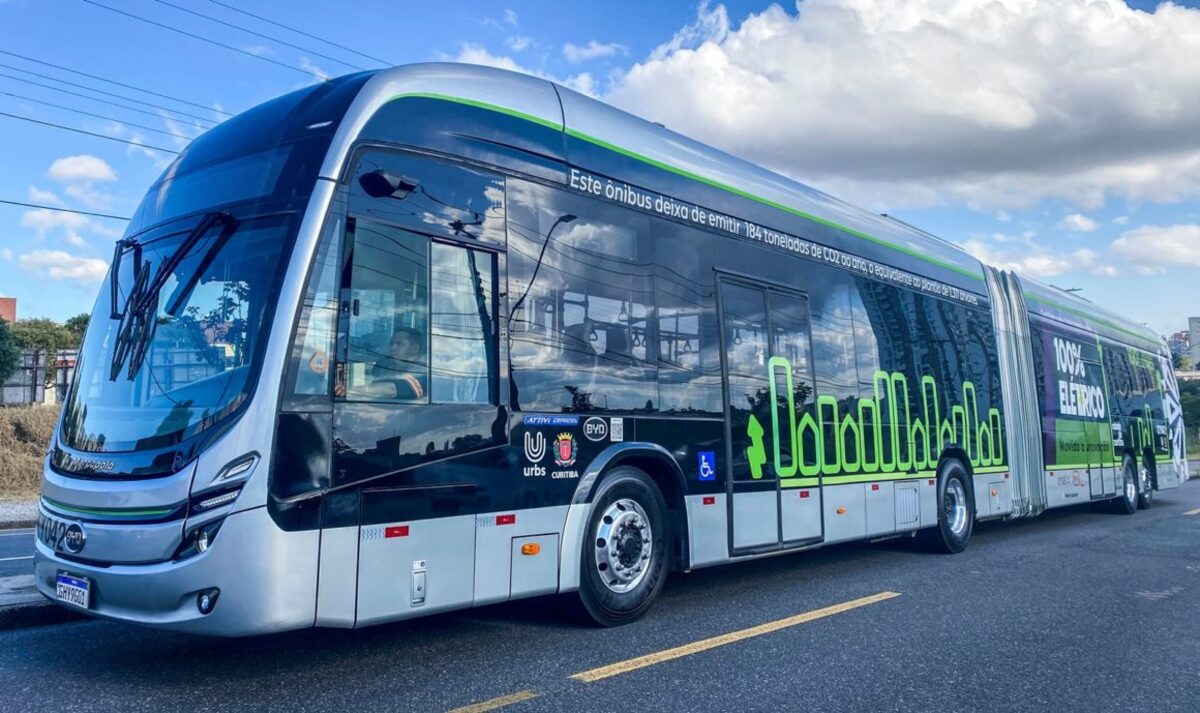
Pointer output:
1088, 315
112, 512
694, 177
799, 482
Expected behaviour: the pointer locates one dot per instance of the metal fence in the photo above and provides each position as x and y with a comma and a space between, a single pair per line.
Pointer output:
40, 378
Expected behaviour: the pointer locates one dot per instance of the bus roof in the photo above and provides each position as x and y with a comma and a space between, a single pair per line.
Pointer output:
1057, 304
593, 122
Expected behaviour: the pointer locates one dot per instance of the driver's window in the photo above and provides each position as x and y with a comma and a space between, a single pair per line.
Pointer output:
420, 318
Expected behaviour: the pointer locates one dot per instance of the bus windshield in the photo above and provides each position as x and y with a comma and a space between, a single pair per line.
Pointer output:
151, 379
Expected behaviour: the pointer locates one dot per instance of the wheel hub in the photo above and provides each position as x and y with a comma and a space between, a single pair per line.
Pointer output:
955, 505
624, 543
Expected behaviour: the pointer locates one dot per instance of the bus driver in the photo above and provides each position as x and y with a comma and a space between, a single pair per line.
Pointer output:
397, 375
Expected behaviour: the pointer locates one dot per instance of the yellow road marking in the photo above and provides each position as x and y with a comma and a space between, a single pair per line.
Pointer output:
1193, 512
696, 647
494, 703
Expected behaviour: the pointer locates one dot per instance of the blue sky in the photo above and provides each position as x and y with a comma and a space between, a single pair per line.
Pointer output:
1058, 139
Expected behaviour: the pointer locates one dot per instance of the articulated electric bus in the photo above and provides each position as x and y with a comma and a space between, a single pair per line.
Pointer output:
441, 336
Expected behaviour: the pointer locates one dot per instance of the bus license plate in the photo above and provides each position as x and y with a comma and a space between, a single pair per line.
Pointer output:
73, 590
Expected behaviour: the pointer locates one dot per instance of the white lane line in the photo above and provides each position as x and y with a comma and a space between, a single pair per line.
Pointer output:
15, 559
16, 534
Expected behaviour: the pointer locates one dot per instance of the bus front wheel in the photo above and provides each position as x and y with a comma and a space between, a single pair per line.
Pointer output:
956, 511
624, 559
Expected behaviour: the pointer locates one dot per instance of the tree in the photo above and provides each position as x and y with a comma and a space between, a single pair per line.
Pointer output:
42, 334
10, 353
77, 325
46, 335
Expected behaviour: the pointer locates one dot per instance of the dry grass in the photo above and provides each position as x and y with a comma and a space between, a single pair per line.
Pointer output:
25, 433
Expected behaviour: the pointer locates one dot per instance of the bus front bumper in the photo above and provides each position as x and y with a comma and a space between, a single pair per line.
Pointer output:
266, 579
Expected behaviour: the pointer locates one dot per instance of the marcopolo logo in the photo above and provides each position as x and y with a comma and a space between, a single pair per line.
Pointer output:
595, 429
88, 465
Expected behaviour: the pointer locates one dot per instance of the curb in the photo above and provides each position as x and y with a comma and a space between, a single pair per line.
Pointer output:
43, 613
17, 525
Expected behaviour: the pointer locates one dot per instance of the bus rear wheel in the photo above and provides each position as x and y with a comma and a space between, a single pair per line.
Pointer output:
1145, 487
624, 559
1127, 504
956, 512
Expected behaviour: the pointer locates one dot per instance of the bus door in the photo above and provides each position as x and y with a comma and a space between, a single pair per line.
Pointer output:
416, 385
775, 495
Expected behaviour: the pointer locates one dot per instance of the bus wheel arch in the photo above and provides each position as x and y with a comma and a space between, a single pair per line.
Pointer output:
657, 463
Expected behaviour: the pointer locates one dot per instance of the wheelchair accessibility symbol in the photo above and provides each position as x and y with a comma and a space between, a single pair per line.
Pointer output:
708, 465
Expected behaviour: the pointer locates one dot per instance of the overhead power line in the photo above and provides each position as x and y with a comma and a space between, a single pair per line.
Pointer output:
115, 82
257, 34
64, 210
269, 21
204, 39
102, 101
88, 133
95, 116
108, 94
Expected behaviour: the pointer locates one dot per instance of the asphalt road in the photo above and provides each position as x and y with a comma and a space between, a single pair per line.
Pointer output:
1077, 610
16, 552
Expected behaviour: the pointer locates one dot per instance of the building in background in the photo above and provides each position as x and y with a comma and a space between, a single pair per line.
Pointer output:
1179, 343
8, 309
1194, 340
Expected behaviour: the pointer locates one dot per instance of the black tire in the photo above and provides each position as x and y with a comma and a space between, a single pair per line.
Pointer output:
1127, 502
954, 527
601, 594
1145, 487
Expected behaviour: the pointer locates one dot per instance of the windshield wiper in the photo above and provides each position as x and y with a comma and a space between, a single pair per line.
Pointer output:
138, 322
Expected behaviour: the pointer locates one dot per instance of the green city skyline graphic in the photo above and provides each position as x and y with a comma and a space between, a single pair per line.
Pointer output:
906, 437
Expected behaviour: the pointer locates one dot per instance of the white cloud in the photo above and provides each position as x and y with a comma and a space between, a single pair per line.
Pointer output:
61, 265
592, 50
89, 195
1032, 260
84, 167
75, 239
38, 195
1079, 223
1001, 102
510, 16
43, 221
6, 254
518, 43
1121, 220
475, 54
310, 66
1155, 247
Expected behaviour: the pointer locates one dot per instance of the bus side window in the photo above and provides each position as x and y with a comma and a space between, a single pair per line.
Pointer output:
420, 326
313, 344
581, 303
